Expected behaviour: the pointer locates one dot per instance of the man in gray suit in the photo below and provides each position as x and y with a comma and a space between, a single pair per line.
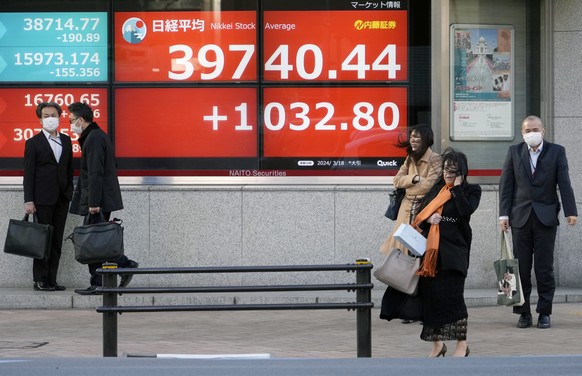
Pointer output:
528, 202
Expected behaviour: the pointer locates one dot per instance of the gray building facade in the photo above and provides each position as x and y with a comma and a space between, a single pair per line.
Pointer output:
273, 221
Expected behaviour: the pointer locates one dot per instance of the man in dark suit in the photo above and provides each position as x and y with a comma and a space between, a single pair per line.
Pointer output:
97, 190
48, 188
528, 202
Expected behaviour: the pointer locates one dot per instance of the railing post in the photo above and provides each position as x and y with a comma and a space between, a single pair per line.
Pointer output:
364, 315
109, 318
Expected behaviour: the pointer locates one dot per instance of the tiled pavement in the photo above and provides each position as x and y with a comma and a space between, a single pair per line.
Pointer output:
69, 332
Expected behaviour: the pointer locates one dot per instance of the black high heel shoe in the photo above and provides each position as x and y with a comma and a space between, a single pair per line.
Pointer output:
443, 351
467, 352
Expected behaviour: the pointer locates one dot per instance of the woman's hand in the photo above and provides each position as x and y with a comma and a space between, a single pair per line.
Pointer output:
459, 180
434, 219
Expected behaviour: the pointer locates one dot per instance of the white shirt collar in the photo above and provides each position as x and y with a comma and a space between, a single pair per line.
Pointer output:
48, 135
539, 148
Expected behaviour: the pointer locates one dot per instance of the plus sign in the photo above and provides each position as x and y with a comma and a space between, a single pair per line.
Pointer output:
215, 118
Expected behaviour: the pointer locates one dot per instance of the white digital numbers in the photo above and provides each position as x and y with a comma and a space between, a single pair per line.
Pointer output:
356, 61
217, 117
56, 58
92, 100
23, 134
80, 38
365, 117
59, 24
297, 117
210, 56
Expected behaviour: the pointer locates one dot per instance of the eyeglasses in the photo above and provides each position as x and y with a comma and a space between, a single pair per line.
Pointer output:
451, 171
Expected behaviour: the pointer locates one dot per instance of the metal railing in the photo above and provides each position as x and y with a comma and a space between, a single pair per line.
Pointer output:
362, 287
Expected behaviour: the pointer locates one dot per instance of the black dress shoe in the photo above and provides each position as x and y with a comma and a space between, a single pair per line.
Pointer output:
58, 287
544, 322
524, 320
91, 290
42, 286
126, 278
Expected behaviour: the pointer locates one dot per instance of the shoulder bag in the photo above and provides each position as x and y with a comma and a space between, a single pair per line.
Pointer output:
399, 272
396, 197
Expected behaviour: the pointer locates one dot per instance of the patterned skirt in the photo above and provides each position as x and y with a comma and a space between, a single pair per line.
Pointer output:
444, 310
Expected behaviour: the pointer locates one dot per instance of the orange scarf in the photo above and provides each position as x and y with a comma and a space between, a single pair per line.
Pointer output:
428, 267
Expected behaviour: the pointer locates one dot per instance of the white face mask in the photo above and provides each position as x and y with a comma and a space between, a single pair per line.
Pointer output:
50, 124
533, 139
76, 129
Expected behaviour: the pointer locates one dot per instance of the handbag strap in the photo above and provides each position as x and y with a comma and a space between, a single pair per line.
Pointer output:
34, 218
506, 250
88, 216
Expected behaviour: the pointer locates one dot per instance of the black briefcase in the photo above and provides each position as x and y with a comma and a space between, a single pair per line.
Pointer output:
99, 242
28, 239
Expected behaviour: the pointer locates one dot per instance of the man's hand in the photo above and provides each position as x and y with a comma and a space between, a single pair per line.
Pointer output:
571, 220
504, 224
94, 210
29, 208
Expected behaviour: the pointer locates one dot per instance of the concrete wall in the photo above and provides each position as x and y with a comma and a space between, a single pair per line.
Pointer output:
567, 39
168, 226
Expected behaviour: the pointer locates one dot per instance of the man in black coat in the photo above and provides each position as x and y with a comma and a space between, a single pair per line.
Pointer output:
98, 188
528, 202
48, 187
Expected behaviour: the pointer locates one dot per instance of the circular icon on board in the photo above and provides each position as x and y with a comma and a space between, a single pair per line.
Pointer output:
134, 30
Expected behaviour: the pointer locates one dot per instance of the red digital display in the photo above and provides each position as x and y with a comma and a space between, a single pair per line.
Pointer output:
228, 87
18, 121
185, 46
355, 45
186, 122
338, 122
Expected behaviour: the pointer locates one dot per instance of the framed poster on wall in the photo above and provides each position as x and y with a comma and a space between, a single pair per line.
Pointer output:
481, 90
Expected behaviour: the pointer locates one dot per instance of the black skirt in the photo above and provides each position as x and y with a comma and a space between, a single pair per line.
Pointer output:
444, 310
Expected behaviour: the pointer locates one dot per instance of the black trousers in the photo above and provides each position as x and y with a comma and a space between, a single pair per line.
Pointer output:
534, 244
56, 216
122, 261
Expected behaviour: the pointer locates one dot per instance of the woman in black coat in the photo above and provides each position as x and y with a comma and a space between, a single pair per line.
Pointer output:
444, 310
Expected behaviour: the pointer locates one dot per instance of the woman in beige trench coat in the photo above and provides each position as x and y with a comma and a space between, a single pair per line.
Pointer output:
417, 175
420, 170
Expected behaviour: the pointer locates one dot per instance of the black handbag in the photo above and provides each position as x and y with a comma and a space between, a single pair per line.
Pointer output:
396, 197
398, 305
28, 239
99, 242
